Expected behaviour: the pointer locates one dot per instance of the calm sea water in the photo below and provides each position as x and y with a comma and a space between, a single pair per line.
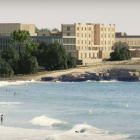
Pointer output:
54, 111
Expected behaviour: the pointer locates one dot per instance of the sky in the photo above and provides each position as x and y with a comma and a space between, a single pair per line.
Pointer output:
125, 14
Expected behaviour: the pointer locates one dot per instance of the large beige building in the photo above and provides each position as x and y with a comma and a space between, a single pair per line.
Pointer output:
87, 40
7, 28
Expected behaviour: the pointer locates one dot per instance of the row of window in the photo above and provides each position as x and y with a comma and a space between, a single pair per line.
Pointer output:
107, 29
69, 40
93, 48
107, 35
69, 47
82, 35
107, 42
85, 28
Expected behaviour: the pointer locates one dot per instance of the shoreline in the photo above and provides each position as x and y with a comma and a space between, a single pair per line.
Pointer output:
129, 73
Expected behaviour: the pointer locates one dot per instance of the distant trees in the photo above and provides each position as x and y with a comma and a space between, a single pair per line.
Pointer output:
53, 57
45, 29
120, 54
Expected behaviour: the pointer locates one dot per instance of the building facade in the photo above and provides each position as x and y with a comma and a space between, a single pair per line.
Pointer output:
132, 42
88, 41
7, 28
4, 45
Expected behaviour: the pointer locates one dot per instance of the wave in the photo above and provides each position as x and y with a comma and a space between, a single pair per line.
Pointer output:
86, 132
9, 103
45, 121
6, 83
108, 81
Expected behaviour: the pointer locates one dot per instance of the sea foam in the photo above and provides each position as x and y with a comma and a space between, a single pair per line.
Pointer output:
86, 132
6, 83
45, 121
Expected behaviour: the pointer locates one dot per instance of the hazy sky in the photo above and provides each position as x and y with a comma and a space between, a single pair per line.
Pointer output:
125, 14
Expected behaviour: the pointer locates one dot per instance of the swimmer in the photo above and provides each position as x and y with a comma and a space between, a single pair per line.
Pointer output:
6, 90
15, 93
1, 118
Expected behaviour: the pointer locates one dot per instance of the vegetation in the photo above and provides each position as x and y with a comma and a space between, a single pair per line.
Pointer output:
5, 67
28, 64
120, 54
50, 56
45, 29
53, 57
20, 38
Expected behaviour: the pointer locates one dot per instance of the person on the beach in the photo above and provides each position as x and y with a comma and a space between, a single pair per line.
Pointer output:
1, 118
77, 132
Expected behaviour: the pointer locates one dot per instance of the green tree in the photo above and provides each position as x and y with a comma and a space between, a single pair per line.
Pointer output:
30, 47
28, 64
12, 58
5, 67
55, 57
20, 38
71, 62
38, 53
55, 29
120, 54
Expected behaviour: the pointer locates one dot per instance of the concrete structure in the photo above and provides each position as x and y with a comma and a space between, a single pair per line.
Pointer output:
7, 28
88, 41
132, 42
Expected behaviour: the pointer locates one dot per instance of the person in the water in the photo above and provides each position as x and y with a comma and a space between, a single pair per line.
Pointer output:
1, 118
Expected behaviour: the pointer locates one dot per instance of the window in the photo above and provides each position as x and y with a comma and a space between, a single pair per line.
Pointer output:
89, 55
85, 28
108, 35
112, 35
105, 35
89, 35
77, 34
77, 28
108, 29
81, 55
82, 35
139, 42
101, 29
89, 29
102, 35
89, 48
89, 42
108, 42
68, 28
105, 29
85, 35
43, 34
82, 28
82, 41
68, 34
85, 41
105, 42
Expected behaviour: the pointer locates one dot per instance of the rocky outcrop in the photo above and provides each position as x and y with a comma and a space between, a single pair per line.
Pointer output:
113, 74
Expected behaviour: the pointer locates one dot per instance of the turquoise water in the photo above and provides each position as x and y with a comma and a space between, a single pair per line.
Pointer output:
54, 111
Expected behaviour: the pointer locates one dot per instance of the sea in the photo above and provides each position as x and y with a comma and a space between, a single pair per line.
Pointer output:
105, 110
